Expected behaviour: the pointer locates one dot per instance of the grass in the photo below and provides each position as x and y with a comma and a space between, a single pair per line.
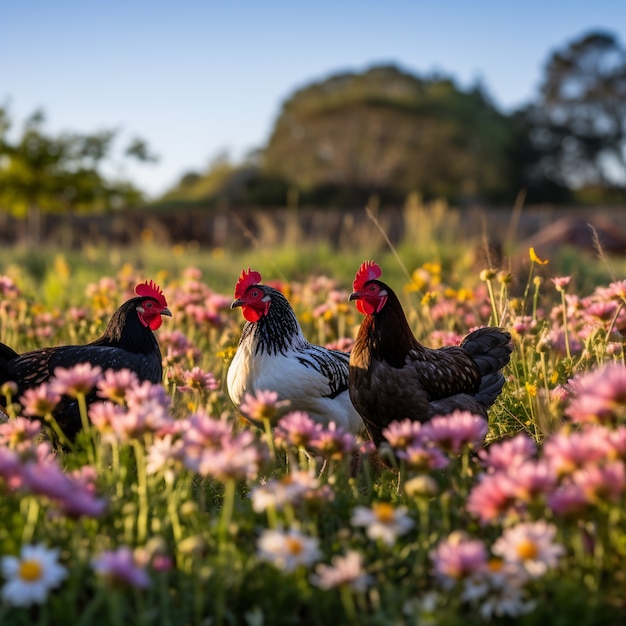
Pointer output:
196, 529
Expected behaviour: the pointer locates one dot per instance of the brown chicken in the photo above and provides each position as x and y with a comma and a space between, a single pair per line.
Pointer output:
394, 377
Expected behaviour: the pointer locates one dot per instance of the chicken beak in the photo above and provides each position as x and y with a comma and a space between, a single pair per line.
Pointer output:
235, 303
166, 311
355, 295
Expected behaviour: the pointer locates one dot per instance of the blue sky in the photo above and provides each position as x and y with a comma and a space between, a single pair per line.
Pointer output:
198, 78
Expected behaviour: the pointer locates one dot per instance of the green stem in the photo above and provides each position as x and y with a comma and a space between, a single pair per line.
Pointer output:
565, 328
142, 492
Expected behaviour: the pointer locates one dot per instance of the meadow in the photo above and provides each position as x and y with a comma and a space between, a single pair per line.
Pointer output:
180, 511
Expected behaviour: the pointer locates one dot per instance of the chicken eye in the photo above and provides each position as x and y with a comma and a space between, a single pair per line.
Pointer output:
148, 304
255, 293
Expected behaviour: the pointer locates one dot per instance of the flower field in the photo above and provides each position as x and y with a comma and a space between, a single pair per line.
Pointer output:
172, 508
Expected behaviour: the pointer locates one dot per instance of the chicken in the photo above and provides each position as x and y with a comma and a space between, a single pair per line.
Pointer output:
274, 355
128, 342
394, 377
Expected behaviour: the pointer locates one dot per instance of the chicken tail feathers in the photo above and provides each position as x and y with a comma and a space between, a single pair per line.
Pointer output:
490, 388
490, 348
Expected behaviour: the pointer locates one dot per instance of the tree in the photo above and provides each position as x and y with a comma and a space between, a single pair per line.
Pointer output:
390, 133
40, 172
578, 124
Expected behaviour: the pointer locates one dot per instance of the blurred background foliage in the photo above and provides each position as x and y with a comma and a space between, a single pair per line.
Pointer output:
383, 133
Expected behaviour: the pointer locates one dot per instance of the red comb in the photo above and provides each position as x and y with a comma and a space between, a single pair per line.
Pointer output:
151, 290
368, 271
245, 280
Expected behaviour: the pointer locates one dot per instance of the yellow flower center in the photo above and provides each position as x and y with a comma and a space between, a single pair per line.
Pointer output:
294, 545
527, 549
384, 512
30, 570
495, 565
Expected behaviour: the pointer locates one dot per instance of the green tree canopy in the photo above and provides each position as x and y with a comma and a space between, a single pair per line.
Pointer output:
40, 171
387, 132
577, 126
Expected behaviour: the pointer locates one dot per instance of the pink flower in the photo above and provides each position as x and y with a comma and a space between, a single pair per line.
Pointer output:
599, 396
508, 454
40, 401
401, 434
19, 432
114, 384
263, 406
198, 380
296, 429
420, 458
456, 432
568, 501
74, 496
561, 282
334, 442
492, 497
532, 480
75, 381
458, 557
602, 483
566, 452
119, 568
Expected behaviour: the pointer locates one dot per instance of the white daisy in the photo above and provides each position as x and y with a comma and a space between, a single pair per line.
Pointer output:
383, 521
287, 550
30, 576
345, 570
531, 546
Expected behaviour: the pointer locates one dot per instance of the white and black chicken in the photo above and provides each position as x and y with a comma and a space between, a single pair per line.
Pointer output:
274, 355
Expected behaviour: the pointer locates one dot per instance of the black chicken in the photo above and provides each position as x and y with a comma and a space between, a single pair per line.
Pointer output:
394, 377
127, 343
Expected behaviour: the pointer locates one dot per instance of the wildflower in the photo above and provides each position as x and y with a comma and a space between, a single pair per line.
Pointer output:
287, 550
74, 497
567, 452
568, 501
599, 396
119, 568
39, 401
498, 590
30, 576
492, 497
401, 434
508, 453
345, 571
334, 442
420, 458
114, 384
163, 451
296, 429
19, 433
602, 483
561, 282
77, 380
534, 258
263, 406
383, 521
531, 546
532, 479
237, 458
198, 380
289, 489
458, 557
456, 432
